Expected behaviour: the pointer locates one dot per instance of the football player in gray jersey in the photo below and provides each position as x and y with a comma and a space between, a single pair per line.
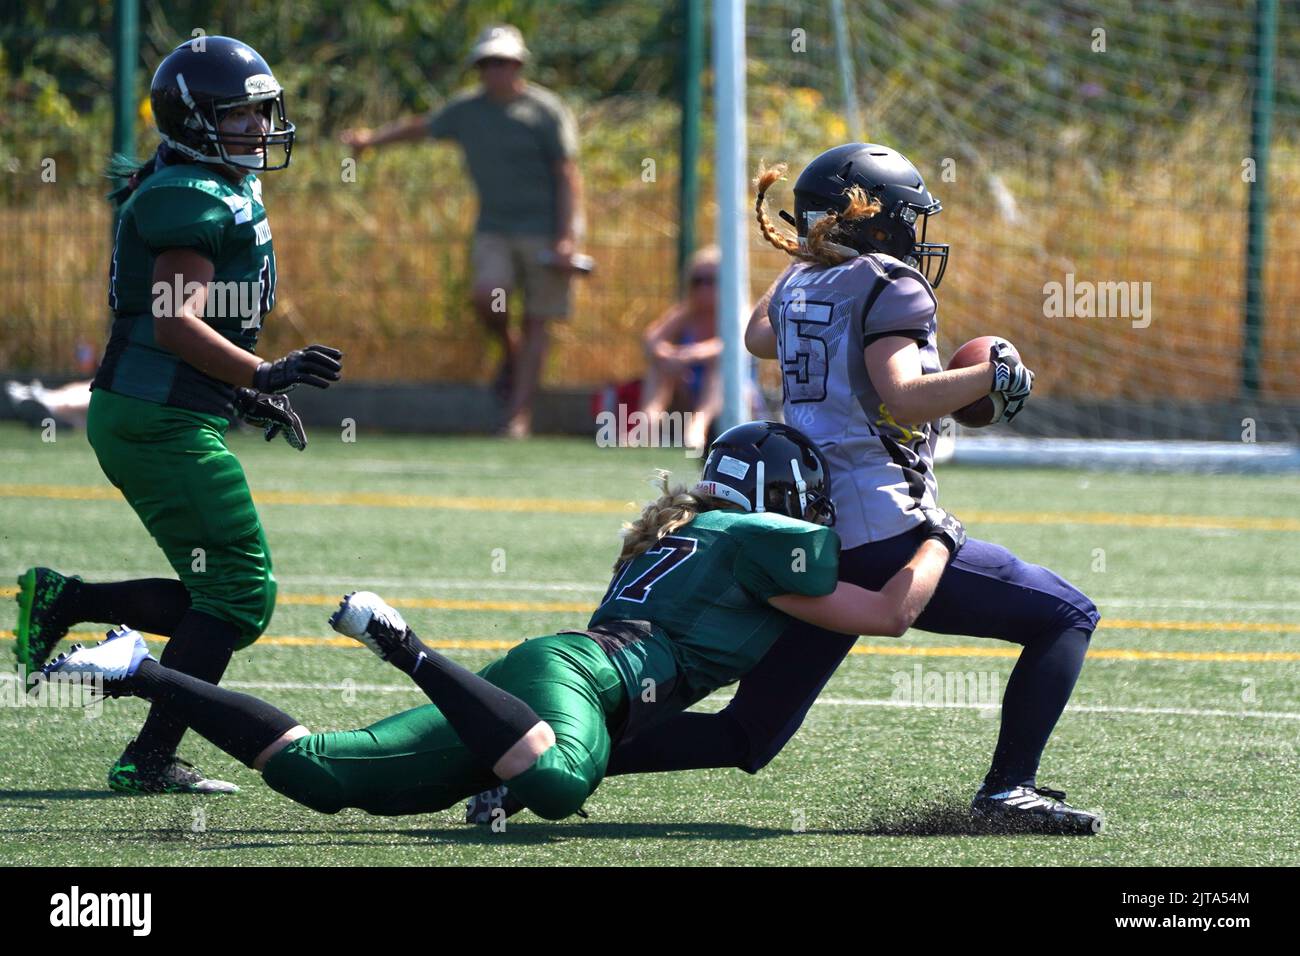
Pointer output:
853, 322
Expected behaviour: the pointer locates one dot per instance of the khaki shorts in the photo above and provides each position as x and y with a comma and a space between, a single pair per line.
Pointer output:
508, 262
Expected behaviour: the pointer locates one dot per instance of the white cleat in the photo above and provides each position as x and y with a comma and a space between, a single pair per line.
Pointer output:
1033, 810
366, 617
112, 660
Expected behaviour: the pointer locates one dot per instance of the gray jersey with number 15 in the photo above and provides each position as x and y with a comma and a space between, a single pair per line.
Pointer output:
824, 317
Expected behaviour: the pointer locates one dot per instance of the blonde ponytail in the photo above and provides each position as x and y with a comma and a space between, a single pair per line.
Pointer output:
820, 246
674, 508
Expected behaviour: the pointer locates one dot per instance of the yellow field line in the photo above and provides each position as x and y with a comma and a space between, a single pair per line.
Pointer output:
377, 499
1107, 653
586, 607
579, 607
448, 604
371, 499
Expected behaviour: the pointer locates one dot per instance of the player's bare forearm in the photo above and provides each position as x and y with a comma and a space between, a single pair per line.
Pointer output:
184, 333
894, 366
928, 397
850, 609
910, 589
203, 347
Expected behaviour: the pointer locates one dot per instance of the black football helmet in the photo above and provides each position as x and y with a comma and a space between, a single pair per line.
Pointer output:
887, 176
199, 81
768, 466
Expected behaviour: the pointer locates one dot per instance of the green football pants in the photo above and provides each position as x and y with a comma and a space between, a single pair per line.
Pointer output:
413, 762
173, 467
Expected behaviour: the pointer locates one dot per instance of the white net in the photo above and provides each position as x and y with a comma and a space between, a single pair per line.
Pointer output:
1094, 160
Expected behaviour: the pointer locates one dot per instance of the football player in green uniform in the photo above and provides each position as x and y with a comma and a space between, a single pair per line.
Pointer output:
192, 279
706, 581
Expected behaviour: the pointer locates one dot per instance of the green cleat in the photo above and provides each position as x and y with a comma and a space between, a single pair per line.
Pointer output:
135, 776
41, 622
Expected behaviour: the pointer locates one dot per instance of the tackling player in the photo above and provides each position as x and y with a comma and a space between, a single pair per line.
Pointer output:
190, 221
705, 582
853, 323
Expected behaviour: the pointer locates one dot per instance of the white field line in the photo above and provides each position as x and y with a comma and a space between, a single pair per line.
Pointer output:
1199, 603
721, 699
353, 581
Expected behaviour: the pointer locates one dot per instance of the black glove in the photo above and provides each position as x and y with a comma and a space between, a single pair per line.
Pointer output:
316, 365
1011, 378
273, 413
947, 528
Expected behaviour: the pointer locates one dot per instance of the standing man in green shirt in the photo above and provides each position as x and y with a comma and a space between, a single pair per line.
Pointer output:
520, 144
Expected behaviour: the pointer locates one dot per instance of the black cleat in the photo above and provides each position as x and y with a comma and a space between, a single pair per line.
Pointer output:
483, 807
139, 775
42, 616
1032, 810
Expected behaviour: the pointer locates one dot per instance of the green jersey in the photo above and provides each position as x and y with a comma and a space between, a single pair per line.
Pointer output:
704, 590
186, 206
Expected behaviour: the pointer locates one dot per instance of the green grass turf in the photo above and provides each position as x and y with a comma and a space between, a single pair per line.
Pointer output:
866, 783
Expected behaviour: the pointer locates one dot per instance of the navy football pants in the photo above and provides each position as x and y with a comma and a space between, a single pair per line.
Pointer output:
985, 592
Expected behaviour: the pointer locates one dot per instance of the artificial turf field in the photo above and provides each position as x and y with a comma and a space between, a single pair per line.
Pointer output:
1183, 729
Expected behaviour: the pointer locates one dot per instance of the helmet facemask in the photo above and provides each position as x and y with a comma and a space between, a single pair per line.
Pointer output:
895, 234
926, 257
207, 142
812, 505
820, 509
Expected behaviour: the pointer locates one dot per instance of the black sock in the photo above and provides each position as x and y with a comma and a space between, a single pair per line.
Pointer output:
1037, 692
685, 741
239, 724
201, 647
155, 605
488, 720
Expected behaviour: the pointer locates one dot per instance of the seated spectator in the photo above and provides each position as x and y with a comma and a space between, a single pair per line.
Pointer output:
682, 349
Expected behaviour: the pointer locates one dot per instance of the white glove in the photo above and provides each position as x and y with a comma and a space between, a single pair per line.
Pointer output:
1012, 379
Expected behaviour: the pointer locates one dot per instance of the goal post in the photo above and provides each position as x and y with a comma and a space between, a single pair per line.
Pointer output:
732, 179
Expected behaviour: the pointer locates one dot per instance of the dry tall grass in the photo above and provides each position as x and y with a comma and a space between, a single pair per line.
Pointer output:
380, 265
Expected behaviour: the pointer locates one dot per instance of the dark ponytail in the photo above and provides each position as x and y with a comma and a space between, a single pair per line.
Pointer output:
124, 167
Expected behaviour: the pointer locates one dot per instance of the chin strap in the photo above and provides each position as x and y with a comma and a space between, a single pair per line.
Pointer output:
715, 489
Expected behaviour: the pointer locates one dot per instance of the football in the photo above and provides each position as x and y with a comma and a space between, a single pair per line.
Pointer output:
987, 410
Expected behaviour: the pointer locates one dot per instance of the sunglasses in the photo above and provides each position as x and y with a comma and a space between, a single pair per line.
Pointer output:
491, 61
704, 280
